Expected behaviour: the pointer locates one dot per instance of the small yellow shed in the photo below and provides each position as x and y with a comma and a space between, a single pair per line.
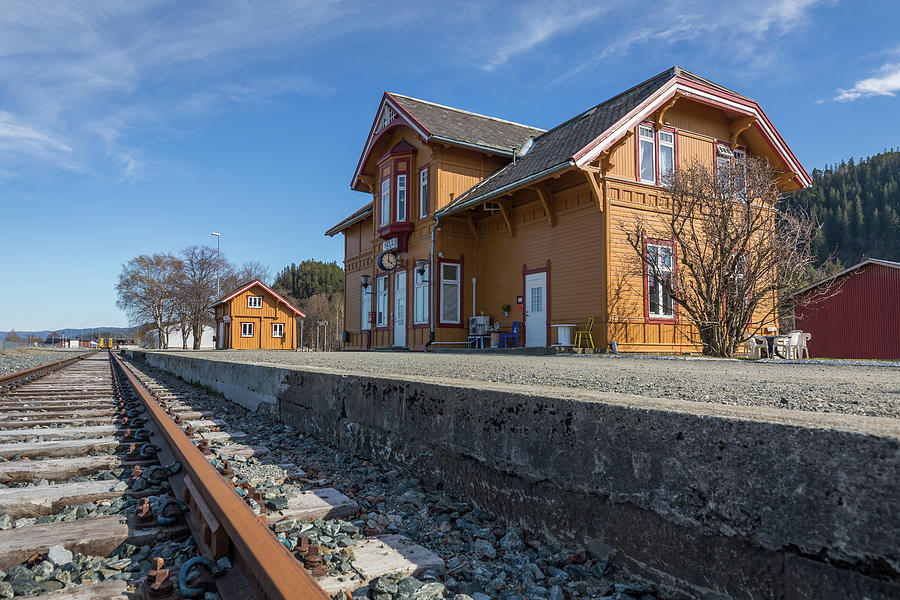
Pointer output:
255, 317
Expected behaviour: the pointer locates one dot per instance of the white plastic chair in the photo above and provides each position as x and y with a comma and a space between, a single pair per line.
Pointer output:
793, 345
757, 347
803, 348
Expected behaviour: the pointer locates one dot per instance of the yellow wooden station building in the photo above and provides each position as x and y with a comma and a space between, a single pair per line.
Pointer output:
471, 214
255, 317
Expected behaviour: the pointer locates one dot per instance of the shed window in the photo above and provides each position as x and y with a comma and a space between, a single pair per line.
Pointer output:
450, 300
385, 216
381, 297
423, 192
254, 301
246, 329
366, 309
401, 197
420, 300
647, 154
659, 280
277, 330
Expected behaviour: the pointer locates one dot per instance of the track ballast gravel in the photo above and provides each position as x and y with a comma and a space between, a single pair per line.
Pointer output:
832, 388
26, 358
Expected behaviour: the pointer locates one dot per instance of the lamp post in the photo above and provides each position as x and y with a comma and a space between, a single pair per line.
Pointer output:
218, 235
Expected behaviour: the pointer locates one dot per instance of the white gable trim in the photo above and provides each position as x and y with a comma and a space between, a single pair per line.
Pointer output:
640, 113
379, 125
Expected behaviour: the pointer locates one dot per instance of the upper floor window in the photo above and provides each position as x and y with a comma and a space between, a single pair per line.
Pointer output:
731, 169
656, 148
666, 153
401, 197
423, 192
385, 201
254, 301
381, 298
647, 153
660, 279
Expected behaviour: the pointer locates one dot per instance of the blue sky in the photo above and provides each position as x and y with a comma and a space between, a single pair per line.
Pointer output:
140, 127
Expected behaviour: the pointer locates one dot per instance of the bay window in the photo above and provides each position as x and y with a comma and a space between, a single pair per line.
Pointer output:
660, 276
401, 197
381, 299
450, 293
420, 297
385, 216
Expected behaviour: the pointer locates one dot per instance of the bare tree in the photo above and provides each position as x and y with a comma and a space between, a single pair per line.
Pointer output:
197, 287
736, 252
146, 290
234, 276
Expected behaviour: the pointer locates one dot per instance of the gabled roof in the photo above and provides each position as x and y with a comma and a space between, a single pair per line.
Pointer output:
869, 261
356, 217
255, 282
580, 140
436, 122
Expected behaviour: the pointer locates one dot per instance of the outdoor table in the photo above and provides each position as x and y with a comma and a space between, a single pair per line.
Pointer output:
564, 333
773, 349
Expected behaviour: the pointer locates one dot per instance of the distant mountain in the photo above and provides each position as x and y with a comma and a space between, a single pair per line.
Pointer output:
858, 206
74, 332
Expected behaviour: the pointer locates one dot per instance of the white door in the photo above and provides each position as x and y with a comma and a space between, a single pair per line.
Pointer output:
400, 308
536, 310
220, 336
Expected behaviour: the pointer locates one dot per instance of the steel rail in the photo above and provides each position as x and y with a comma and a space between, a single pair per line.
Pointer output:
40, 370
272, 570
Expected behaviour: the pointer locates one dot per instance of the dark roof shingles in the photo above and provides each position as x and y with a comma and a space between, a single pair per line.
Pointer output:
558, 145
466, 127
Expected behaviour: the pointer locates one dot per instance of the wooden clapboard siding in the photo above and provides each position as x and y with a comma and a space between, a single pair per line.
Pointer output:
272, 311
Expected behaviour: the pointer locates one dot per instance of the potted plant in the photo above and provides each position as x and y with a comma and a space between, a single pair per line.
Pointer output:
506, 309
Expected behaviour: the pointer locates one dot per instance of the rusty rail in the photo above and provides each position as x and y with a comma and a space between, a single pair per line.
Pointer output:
26, 375
272, 570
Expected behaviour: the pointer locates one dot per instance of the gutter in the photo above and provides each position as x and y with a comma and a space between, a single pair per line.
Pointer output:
507, 187
432, 277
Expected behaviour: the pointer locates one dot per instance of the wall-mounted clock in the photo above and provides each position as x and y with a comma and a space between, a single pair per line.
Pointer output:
387, 261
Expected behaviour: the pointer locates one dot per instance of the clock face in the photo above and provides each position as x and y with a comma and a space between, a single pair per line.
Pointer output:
387, 261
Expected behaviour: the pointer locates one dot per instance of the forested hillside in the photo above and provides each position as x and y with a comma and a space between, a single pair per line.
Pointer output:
857, 205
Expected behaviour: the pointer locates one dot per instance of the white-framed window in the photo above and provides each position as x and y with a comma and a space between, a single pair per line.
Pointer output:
277, 330
740, 172
450, 287
246, 329
381, 300
647, 153
659, 301
423, 192
254, 301
401, 197
666, 153
385, 216
420, 297
366, 309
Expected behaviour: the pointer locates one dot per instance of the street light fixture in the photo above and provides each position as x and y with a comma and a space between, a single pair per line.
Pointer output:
218, 235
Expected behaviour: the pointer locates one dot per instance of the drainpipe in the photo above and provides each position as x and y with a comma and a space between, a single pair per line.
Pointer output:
432, 277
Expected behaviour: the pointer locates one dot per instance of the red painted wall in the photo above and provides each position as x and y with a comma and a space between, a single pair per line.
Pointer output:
862, 321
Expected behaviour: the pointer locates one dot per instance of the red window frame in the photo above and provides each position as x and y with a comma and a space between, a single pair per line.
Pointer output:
650, 318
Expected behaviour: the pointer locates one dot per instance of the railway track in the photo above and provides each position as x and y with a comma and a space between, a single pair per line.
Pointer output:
114, 488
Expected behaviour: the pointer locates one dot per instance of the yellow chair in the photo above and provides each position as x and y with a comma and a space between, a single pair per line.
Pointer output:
585, 335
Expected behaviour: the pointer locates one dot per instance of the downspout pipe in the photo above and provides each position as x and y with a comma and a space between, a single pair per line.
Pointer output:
432, 278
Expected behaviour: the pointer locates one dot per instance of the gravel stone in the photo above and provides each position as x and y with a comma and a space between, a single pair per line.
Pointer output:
832, 386
6, 590
26, 358
59, 556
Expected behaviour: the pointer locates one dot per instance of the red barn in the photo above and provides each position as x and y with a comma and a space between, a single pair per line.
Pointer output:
862, 320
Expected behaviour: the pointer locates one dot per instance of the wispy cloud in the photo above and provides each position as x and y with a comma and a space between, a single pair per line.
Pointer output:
534, 23
886, 83
741, 28
97, 73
